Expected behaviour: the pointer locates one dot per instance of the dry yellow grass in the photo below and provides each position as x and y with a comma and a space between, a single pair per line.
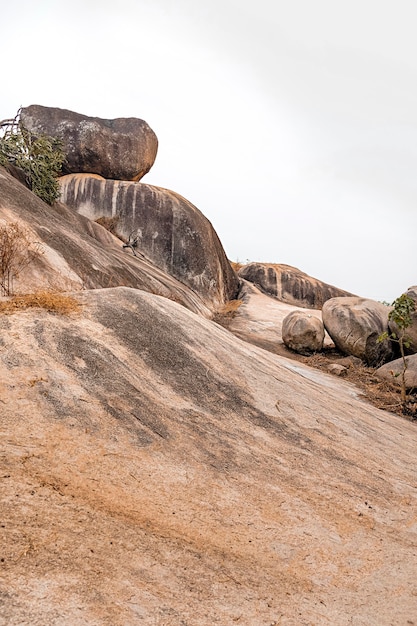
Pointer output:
52, 301
236, 265
227, 312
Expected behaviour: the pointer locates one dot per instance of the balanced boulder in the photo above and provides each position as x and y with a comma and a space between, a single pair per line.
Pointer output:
302, 332
121, 148
288, 284
166, 229
355, 325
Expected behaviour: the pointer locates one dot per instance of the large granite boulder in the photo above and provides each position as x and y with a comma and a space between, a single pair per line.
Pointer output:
288, 284
393, 371
355, 325
169, 230
122, 148
411, 331
303, 332
74, 253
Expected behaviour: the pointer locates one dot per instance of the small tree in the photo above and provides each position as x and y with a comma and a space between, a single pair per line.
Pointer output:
401, 315
39, 156
17, 251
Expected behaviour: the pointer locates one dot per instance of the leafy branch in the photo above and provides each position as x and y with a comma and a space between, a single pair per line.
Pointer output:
39, 156
401, 316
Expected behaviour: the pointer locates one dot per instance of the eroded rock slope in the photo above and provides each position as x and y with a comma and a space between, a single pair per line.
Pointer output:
159, 470
77, 253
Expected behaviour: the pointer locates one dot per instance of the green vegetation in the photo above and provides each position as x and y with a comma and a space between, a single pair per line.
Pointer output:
39, 156
401, 316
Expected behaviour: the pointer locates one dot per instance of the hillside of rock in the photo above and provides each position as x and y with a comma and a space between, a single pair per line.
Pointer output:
157, 469
77, 253
160, 469
170, 230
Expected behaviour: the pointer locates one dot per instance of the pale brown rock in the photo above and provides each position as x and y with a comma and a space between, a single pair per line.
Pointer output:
337, 369
172, 233
393, 370
289, 284
303, 332
121, 148
350, 361
157, 469
259, 319
355, 324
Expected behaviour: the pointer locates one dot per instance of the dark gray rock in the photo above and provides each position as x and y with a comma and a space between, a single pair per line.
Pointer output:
302, 332
355, 325
122, 148
170, 231
289, 284
79, 254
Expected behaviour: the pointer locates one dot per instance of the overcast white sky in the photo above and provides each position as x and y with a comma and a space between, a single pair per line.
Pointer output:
291, 124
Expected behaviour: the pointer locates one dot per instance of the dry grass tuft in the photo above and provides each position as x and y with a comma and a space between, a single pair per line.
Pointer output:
236, 265
109, 223
227, 312
52, 301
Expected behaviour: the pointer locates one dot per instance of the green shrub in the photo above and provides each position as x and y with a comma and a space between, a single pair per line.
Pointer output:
401, 315
39, 156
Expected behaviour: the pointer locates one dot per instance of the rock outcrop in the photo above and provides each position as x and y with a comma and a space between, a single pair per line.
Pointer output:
121, 148
158, 470
303, 332
392, 371
411, 331
172, 233
355, 324
288, 284
77, 253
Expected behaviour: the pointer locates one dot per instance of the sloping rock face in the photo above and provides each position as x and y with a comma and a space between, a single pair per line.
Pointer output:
411, 331
303, 332
122, 148
393, 371
172, 232
260, 317
156, 469
290, 285
77, 253
355, 324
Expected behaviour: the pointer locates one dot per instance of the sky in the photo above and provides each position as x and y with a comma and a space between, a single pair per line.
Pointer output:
291, 124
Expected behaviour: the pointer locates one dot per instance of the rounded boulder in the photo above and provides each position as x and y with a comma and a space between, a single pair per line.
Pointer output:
121, 149
355, 325
303, 332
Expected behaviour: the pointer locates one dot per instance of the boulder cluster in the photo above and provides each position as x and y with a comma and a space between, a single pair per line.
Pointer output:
355, 325
105, 160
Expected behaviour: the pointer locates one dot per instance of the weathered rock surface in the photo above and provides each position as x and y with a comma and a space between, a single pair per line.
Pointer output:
392, 371
290, 285
156, 469
411, 331
303, 332
355, 324
77, 253
172, 233
337, 369
259, 319
122, 148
